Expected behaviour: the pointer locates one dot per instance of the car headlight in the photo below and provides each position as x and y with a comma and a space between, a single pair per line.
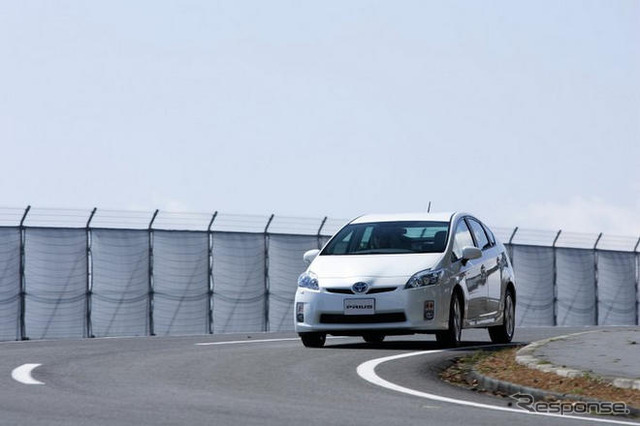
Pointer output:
308, 280
424, 278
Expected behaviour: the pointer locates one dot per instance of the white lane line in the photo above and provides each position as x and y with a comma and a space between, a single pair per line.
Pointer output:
366, 370
22, 374
235, 342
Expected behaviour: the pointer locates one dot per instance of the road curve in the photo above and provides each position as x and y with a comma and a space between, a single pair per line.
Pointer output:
166, 381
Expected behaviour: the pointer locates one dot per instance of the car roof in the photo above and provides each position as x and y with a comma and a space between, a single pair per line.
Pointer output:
436, 217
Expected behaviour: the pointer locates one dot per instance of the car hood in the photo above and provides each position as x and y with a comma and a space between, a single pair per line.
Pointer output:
377, 265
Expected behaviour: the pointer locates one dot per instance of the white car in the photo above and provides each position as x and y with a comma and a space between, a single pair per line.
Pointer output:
407, 273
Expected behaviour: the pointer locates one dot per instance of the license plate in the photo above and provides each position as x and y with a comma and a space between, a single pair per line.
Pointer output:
359, 306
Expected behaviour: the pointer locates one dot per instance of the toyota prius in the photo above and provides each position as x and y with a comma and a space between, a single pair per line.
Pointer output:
432, 273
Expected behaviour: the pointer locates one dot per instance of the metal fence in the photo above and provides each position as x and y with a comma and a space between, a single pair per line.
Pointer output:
100, 273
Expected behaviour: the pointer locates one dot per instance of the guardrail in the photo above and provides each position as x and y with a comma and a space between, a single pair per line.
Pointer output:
97, 273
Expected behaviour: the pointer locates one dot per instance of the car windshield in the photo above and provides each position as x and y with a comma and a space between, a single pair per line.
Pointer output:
389, 238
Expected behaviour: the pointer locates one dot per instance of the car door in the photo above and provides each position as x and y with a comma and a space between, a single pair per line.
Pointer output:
470, 272
490, 269
494, 280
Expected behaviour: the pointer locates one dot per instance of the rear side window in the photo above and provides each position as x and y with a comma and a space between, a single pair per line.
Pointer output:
461, 239
478, 232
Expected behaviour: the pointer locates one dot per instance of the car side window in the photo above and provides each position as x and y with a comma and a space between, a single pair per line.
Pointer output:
492, 238
478, 232
461, 239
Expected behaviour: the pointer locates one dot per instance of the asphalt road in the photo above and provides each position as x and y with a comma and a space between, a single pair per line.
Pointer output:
171, 381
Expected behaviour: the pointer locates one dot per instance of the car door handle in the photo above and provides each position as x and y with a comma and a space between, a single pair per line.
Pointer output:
483, 272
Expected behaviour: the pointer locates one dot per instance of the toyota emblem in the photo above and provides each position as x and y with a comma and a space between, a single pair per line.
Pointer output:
360, 287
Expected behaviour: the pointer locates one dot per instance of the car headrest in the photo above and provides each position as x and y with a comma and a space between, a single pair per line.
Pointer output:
440, 240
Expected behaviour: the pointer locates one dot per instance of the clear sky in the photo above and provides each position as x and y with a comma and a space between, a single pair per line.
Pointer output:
524, 113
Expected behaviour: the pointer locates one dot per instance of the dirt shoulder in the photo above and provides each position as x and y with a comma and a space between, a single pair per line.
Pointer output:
501, 365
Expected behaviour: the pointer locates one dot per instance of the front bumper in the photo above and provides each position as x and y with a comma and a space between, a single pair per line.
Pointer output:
399, 311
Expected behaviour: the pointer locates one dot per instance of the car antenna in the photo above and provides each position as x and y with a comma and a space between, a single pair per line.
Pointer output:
429, 207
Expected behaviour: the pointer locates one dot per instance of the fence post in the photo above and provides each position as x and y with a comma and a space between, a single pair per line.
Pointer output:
210, 257
596, 276
23, 287
318, 235
510, 243
89, 289
266, 273
635, 250
151, 330
555, 279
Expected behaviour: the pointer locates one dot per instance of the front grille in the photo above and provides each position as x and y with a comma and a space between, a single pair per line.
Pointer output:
371, 291
380, 290
362, 319
340, 290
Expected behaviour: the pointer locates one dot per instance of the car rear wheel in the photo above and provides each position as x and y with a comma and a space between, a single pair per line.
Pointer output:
451, 337
373, 338
504, 333
313, 340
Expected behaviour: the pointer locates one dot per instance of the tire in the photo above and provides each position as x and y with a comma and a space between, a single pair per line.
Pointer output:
373, 338
313, 340
452, 336
504, 333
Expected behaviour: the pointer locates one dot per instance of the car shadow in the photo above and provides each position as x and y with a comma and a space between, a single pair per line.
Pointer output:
418, 345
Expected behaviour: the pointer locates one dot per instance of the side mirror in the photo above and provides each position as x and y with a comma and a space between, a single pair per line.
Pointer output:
469, 253
310, 255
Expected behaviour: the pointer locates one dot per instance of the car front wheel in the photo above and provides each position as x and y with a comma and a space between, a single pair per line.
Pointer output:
451, 337
313, 340
504, 333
